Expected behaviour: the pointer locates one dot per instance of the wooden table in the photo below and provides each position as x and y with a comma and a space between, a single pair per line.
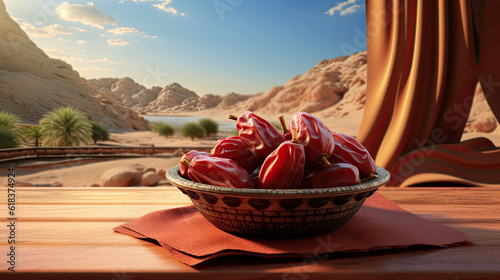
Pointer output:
66, 233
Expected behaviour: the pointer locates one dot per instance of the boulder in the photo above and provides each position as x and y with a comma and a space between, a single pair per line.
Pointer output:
150, 179
121, 177
162, 173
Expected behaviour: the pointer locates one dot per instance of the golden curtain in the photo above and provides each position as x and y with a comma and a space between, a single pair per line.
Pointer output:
424, 60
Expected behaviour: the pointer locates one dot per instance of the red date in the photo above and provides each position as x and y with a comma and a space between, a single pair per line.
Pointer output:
283, 168
316, 138
233, 148
259, 135
186, 160
349, 150
217, 171
335, 175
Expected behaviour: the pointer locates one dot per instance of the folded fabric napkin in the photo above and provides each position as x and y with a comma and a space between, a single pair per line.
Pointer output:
379, 224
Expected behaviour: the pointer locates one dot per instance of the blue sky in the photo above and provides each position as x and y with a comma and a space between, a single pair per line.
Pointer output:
209, 46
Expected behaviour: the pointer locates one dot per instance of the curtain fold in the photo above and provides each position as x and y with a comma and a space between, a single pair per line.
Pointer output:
422, 73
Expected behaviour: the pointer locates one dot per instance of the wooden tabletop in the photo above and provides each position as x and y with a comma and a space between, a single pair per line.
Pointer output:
67, 233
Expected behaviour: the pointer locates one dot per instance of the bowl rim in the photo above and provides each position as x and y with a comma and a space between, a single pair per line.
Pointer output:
173, 176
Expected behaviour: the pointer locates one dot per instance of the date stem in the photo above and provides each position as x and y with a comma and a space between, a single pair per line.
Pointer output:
283, 124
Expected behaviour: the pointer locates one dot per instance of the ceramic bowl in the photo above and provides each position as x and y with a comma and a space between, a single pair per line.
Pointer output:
277, 212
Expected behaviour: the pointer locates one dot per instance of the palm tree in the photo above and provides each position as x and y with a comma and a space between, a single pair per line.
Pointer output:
33, 133
99, 131
66, 126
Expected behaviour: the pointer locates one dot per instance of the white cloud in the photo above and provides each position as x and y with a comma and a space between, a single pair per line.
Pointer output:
79, 29
163, 6
153, 37
86, 14
350, 10
345, 8
123, 30
118, 42
81, 42
48, 31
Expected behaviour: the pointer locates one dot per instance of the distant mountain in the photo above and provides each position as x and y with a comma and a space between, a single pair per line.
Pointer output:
32, 84
171, 99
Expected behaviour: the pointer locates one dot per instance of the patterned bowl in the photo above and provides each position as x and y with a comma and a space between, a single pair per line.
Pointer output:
277, 212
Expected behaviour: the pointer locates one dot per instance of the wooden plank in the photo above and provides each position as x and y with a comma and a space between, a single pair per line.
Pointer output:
147, 258
70, 231
128, 212
87, 213
440, 196
120, 195
73, 233
101, 233
456, 214
97, 196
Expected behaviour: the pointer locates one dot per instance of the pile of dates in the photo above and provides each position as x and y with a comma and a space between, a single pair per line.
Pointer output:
308, 155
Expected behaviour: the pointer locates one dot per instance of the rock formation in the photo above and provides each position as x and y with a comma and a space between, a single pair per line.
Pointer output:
171, 96
124, 91
321, 87
171, 99
32, 84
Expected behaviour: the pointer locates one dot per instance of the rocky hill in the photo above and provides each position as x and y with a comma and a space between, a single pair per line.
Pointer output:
171, 99
32, 84
331, 82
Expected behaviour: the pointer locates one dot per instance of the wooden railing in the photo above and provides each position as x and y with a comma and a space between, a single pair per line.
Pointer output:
10, 155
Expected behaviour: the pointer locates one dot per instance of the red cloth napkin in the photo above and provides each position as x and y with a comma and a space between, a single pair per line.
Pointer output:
379, 224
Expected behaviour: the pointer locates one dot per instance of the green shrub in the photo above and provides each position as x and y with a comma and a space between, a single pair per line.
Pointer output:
193, 130
8, 139
33, 133
11, 122
157, 126
165, 130
99, 131
210, 126
66, 126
